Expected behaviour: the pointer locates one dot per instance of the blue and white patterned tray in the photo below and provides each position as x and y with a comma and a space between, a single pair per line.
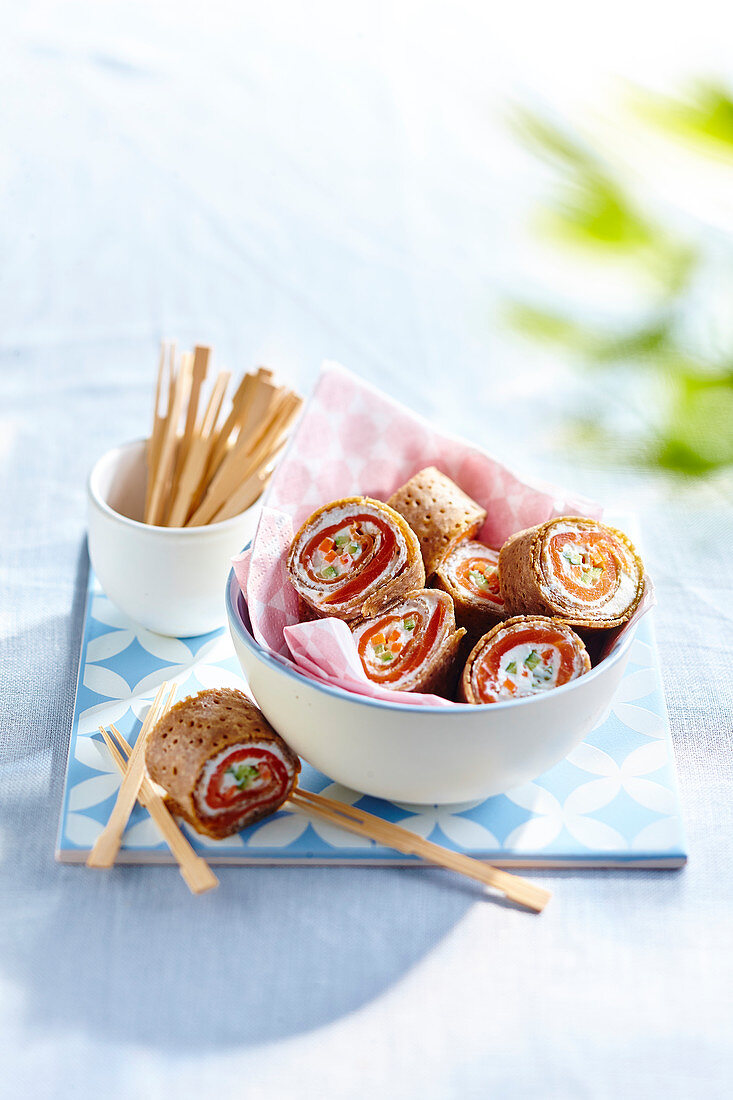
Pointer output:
612, 802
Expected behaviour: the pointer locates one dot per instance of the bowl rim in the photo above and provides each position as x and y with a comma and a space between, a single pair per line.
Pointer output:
97, 500
268, 658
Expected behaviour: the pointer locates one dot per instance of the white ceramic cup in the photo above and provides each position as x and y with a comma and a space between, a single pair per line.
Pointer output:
168, 579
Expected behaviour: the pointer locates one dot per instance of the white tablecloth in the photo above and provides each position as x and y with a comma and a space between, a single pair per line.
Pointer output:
291, 184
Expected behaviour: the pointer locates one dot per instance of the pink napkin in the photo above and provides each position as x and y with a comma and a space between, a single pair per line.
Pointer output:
354, 440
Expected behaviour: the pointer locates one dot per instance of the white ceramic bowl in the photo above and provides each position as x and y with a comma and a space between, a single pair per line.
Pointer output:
168, 579
422, 754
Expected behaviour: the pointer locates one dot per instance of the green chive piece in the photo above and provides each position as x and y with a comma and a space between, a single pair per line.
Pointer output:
353, 549
387, 656
409, 624
329, 571
532, 659
512, 667
243, 774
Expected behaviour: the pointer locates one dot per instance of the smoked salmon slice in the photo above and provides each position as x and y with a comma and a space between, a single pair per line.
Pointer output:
413, 646
353, 557
586, 573
520, 657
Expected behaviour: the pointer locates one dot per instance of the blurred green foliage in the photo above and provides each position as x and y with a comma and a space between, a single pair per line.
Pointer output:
704, 115
592, 208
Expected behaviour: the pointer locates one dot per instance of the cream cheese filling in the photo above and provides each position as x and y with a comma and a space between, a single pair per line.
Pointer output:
529, 668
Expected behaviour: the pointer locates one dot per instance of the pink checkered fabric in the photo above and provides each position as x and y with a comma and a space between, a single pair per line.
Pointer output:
354, 440
263, 577
326, 649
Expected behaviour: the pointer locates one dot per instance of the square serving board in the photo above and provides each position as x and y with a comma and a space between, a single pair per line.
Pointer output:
613, 802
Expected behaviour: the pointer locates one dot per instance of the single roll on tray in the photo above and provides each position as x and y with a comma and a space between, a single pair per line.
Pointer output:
220, 762
523, 656
470, 575
413, 646
439, 512
354, 557
586, 573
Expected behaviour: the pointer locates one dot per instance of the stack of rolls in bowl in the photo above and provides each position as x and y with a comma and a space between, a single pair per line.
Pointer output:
501, 630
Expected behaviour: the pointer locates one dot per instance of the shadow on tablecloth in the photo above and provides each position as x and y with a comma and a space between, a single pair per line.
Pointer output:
130, 955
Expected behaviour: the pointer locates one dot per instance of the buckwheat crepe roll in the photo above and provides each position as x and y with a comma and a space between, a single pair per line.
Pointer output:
526, 655
581, 570
470, 575
221, 763
439, 512
354, 557
413, 646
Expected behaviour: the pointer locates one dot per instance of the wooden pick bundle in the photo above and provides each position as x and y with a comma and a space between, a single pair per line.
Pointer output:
201, 470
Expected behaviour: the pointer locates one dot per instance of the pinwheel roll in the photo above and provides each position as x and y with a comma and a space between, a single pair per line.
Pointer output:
470, 574
587, 573
439, 513
522, 656
220, 762
413, 646
354, 557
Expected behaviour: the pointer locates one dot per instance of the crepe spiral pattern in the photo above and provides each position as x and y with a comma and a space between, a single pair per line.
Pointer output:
520, 657
586, 573
354, 557
411, 647
470, 574
220, 762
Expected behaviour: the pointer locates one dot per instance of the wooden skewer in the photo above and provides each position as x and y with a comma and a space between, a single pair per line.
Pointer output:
198, 453
107, 844
195, 870
245, 496
269, 439
211, 434
202, 473
266, 398
200, 367
246, 459
198, 374
358, 821
166, 465
184, 381
231, 427
156, 435
229, 473
242, 498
